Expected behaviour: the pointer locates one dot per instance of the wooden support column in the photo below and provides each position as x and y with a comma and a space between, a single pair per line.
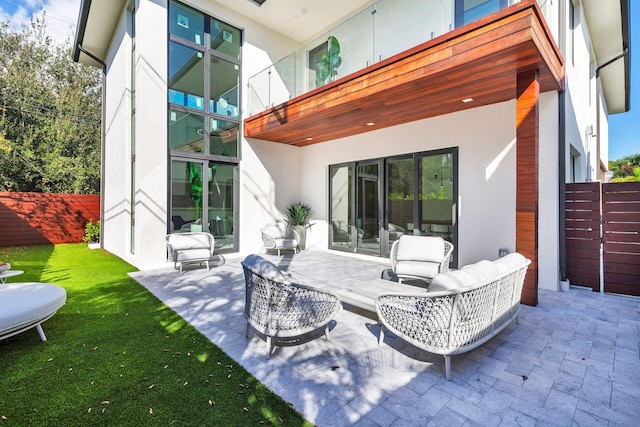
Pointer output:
527, 120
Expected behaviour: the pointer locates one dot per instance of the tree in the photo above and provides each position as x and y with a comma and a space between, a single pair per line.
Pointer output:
626, 169
49, 115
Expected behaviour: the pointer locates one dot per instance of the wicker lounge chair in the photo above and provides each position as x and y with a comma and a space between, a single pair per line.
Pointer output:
279, 308
280, 236
420, 257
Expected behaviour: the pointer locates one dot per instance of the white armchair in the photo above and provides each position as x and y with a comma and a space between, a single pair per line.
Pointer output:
420, 257
280, 236
190, 247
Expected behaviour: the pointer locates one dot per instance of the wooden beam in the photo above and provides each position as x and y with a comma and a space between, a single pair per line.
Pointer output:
527, 166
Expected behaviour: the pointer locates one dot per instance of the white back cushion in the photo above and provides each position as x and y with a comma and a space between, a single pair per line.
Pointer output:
420, 248
264, 268
510, 262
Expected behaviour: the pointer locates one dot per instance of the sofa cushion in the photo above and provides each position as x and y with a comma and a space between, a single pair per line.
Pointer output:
417, 268
192, 254
510, 262
184, 241
453, 280
484, 270
264, 268
420, 248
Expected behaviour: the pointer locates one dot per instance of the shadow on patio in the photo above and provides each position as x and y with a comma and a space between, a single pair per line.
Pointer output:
573, 359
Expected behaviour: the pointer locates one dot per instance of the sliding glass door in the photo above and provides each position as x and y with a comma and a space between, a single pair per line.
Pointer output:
203, 198
375, 202
368, 207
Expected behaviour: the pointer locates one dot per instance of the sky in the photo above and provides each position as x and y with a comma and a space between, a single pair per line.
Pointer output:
624, 128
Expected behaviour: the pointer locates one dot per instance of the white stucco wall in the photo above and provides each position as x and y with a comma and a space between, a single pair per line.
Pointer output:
115, 197
549, 193
486, 172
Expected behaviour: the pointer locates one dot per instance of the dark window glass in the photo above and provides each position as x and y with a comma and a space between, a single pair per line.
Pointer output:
225, 38
186, 23
224, 79
186, 76
186, 131
223, 138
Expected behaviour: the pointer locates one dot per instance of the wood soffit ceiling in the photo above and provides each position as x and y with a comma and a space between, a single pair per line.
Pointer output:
479, 61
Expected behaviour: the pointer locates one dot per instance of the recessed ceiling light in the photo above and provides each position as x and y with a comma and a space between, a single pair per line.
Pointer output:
370, 124
467, 100
309, 139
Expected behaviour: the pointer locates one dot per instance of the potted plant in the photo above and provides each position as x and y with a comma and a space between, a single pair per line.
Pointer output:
92, 234
298, 218
327, 68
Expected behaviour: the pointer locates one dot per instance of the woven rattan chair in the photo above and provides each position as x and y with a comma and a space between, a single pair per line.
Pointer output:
420, 257
279, 308
280, 236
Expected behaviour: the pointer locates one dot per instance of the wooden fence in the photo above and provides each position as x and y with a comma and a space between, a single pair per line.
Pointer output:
582, 234
603, 222
41, 218
621, 237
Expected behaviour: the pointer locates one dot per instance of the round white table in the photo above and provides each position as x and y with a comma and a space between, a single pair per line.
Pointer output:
9, 273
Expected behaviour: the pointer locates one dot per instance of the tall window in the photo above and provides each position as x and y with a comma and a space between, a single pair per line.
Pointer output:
203, 123
374, 202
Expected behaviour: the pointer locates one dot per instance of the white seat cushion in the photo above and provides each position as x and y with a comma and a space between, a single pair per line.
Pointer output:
25, 303
417, 268
420, 248
286, 243
180, 242
192, 254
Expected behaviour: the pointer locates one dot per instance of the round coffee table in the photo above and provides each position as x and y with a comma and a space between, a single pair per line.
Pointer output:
9, 273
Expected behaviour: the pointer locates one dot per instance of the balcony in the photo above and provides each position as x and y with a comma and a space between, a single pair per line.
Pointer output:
450, 66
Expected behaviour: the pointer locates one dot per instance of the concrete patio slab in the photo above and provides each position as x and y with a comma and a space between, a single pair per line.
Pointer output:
572, 360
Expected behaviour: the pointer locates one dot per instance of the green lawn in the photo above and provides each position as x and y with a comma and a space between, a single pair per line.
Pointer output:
116, 355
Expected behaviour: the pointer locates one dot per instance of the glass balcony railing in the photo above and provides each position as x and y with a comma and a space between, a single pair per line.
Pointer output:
378, 32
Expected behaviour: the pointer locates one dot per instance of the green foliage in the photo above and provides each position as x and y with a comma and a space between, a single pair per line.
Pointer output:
327, 68
116, 355
298, 214
626, 169
49, 115
91, 232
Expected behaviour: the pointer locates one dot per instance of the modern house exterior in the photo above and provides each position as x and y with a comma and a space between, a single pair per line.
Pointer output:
458, 118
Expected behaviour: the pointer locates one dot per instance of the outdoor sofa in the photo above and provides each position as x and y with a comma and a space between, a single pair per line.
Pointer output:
458, 311
461, 309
